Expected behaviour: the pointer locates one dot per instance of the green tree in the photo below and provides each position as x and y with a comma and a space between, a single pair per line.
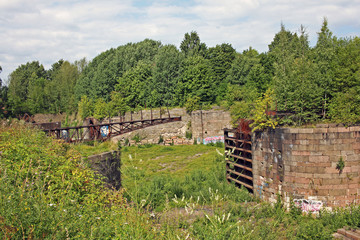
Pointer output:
247, 69
134, 86
324, 56
295, 78
196, 81
345, 106
98, 79
307, 96
85, 107
60, 89
101, 75
117, 105
259, 115
3, 98
165, 76
36, 99
192, 104
101, 109
191, 45
240, 100
347, 68
81, 64
220, 59
283, 50
54, 69
19, 85
242, 65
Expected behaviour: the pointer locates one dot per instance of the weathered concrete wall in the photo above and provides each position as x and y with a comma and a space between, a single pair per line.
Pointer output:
212, 124
108, 165
209, 124
300, 164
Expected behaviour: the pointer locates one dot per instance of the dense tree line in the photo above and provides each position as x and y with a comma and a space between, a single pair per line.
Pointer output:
3, 97
307, 83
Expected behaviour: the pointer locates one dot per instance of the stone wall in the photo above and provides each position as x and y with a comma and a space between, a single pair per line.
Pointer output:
210, 125
300, 165
108, 165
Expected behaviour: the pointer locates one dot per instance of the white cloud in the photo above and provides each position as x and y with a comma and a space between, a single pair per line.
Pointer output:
214, 10
50, 30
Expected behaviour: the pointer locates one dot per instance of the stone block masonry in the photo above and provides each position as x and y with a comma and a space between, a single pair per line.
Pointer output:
107, 165
301, 165
202, 124
207, 124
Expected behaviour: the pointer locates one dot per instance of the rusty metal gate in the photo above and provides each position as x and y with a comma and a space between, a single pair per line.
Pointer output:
239, 156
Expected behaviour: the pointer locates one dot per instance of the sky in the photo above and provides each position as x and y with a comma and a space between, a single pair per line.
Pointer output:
47, 31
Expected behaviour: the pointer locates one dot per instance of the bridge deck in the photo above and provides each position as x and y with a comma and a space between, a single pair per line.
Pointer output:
105, 131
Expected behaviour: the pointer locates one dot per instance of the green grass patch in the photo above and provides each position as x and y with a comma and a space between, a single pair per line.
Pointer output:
93, 147
48, 191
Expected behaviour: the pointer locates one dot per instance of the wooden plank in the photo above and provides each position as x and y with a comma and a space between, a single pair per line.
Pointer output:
238, 140
239, 174
242, 158
239, 165
242, 183
240, 149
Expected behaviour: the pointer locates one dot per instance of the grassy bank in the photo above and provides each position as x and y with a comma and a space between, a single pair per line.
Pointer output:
47, 191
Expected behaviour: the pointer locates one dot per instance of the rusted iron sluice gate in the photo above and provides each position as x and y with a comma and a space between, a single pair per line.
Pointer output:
238, 159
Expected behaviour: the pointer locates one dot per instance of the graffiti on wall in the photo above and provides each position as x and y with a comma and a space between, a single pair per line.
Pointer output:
213, 139
308, 205
104, 130
64, 134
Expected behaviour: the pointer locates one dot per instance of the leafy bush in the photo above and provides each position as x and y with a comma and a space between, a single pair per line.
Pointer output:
47, 191
259, 114
312, 229
188, 134
345, 106
85, 107
161, 139
137, 138
101, 109
192, 104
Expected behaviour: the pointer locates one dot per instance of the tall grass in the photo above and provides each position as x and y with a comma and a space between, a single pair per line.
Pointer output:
205, 185
47, 191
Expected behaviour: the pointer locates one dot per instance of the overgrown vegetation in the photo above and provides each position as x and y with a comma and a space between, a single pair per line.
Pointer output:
47, 191
310, 84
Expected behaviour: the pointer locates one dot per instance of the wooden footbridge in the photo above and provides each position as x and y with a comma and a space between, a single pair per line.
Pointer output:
102, 131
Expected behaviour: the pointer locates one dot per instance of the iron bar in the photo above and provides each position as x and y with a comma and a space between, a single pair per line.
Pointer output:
114, 129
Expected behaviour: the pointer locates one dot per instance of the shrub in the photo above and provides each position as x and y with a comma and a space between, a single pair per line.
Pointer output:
262, 105
345, 106
161, 139
188, 134
47, 191
312, 229
136, 138
192, 104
